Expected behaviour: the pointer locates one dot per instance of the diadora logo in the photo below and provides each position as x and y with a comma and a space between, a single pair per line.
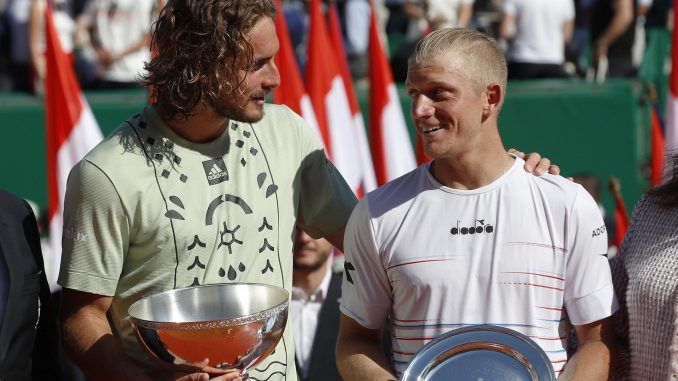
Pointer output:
479, 226
215, 170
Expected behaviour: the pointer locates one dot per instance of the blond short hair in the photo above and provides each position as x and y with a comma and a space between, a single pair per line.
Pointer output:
484, 61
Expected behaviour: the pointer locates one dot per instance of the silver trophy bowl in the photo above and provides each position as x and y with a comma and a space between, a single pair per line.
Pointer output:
480, 352
233, 325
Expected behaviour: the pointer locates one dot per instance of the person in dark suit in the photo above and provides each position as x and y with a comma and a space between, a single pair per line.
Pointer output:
316, 289
29, 345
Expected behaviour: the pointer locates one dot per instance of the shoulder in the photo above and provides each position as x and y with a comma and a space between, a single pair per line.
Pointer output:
280, 113
557, 188
122, 139
11, 205
397, 193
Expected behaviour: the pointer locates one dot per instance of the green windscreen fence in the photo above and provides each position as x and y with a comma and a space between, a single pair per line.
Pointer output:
602, 129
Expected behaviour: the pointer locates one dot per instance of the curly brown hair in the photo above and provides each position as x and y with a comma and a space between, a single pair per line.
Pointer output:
201, 46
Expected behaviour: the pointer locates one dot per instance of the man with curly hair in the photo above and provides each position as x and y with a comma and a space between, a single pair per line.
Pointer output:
203, 187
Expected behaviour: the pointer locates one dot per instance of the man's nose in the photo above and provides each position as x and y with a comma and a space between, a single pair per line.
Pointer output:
272, 78
421, 107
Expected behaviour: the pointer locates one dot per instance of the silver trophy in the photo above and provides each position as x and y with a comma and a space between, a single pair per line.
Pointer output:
480, 353
233, 325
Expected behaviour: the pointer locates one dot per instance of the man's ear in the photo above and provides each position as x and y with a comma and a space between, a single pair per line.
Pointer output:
494, 97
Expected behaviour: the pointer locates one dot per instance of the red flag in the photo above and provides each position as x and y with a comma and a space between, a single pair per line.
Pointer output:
71, 132
422, 157
369, 181
621, 215
390, 142
331, 104
671, 134
657, 149
291, 91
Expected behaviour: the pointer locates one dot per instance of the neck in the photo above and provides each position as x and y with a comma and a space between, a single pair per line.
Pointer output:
473, 169
309, 280
202, 127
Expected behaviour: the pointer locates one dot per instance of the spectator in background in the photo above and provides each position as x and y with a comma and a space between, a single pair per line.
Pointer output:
612, 36
62, 15
355, 20
645, 276
449, 13
296, 16
537, 32
16, 19
316, 289
119, 31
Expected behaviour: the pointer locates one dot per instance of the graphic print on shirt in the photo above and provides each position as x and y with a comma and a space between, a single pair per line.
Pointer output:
227, 236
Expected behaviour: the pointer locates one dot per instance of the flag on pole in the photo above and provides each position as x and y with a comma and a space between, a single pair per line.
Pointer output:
291, 90
657, 148
671, 135
328, 95
369, 180
392, 150
422, 157
621, 215
71, 132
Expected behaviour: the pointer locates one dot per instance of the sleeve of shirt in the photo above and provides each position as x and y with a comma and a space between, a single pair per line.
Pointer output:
96, 232
325, 200
366, 292
589, 294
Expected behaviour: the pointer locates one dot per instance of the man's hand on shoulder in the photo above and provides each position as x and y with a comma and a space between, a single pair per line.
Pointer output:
536, 164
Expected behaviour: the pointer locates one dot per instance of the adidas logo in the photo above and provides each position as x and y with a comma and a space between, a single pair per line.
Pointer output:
215, 173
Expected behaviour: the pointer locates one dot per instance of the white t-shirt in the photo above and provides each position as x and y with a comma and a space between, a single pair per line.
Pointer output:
119, 24
523, 252
446, 9
539, 30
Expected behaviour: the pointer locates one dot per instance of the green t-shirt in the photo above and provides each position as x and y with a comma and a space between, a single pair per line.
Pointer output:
147, 211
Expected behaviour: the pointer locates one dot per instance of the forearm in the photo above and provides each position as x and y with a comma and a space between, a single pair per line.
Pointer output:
621, 21
144, 42
89, 342
464, 14
592, 361
360, 358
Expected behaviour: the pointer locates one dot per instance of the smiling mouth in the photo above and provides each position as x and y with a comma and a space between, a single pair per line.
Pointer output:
432, 129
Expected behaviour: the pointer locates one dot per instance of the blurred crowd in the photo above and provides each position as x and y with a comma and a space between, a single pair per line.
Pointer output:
109, 40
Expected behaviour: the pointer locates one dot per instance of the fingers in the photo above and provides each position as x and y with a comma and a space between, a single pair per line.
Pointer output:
194, 377
542, 167
554, 169
514, 151
233, 376
534, 163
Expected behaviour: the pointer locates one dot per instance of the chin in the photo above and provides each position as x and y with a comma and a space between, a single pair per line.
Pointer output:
252, 117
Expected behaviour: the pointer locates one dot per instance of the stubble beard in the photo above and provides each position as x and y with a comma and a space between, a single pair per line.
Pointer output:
234, 111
